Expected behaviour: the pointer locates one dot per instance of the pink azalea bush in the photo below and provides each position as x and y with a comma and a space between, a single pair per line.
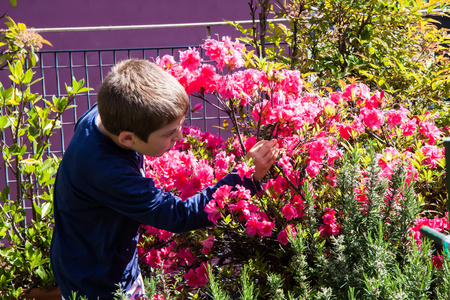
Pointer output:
303, 194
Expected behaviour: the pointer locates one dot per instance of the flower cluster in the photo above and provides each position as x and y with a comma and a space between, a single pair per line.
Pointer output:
329, 227
180, 172
314, 132
438, 224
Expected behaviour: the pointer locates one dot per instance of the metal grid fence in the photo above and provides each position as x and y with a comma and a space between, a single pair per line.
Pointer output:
58, 67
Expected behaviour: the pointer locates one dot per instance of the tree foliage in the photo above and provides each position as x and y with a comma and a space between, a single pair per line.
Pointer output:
388, 45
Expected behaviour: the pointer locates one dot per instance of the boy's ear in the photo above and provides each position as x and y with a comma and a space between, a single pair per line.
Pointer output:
126, 138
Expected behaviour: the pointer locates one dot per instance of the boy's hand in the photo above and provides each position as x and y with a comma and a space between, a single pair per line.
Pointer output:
264, 154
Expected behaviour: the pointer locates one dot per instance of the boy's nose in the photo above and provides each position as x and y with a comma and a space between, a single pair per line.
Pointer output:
178, 135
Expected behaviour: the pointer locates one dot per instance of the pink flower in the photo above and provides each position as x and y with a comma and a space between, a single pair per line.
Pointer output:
330, 226
245, 208
249, 143
265, 228
333, 155
430, 131
285, 163
153, 258
375, 100
289, 212
256, 227
328, 217
213, 211
357, 91
197, 106
317, 150
232, 87
299, 205
276, 186
438, 224
292, 82
222, 164
165, 62
190, 59
185, 257
396, 116
207, 244
208, 78
409, 127
225, 53
336, 97
433, 154
241, 193
313, 168
345, 131
372, 118
252, 226
222, 195
197, 278
164, 235
244, 170
283, 236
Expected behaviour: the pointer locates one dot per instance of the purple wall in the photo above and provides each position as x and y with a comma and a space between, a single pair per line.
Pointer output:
80, 13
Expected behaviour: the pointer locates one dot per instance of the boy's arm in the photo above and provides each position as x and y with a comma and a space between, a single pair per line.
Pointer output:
264, 154
138, 198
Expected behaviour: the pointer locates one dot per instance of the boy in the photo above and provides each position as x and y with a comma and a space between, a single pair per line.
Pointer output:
101, 197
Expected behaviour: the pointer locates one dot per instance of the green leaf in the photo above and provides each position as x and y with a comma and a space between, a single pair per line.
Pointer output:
84, 89
75, 85
28, 76
13, 3
46, 209
33, 57
37, 209
227, 219
40, 271
18, 69
4, 57
28, 245
39, 79
4, 122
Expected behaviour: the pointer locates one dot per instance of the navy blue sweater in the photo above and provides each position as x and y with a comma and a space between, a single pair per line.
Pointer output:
100, 200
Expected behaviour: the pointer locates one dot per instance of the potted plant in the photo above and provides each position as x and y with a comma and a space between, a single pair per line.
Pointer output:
27, 123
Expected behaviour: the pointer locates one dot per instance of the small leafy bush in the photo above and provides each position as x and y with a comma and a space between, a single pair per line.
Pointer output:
27, 123
389, 45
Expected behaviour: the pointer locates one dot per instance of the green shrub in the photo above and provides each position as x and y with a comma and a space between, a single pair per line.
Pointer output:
388, 45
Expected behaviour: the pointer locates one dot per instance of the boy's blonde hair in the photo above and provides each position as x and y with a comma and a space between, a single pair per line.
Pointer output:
140, 97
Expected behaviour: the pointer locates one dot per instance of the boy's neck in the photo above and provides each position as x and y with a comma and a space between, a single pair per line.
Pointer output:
103, 130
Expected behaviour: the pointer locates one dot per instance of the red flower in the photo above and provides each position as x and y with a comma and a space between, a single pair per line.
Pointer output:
330, 226
197, 278
289, 212
207, 244
437, 261
345, 131
283, 236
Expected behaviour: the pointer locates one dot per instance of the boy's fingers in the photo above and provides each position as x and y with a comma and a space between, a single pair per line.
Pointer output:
264, 150
270, 148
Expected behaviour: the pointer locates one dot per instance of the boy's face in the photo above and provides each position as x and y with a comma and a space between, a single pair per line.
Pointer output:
162, 140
